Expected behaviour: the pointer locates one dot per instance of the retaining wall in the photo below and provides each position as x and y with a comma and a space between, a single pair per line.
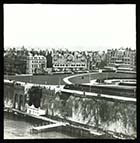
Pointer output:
115, 116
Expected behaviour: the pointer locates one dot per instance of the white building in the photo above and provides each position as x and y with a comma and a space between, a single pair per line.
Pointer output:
36, 64
35, 111
69, 62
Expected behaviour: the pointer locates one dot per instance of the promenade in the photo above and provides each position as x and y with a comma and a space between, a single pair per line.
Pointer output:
75, 93
105, 96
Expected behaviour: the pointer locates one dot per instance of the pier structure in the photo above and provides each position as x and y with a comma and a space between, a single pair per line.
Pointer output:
47, 127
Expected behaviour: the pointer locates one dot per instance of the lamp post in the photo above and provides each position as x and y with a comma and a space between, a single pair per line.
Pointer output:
106, 75
59, 81
89, 82
134, 92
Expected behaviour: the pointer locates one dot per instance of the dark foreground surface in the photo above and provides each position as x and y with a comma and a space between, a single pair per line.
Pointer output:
40, 79
16, 127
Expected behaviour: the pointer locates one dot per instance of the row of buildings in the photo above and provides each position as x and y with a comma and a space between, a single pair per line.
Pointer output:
68, 61
122, 58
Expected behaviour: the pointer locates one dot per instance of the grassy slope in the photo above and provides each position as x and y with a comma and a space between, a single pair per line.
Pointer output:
58, 79
41, 79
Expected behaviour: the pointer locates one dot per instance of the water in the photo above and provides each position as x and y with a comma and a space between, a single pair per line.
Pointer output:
16, 127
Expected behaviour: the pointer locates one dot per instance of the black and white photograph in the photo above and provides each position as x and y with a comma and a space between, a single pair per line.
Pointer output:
70, 71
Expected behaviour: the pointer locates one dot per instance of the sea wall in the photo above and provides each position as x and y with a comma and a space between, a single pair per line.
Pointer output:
114, 115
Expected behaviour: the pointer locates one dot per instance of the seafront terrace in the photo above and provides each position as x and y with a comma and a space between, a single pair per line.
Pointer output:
88, 79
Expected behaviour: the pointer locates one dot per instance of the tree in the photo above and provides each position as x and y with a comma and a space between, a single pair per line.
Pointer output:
35, 95
102, 64
49, 60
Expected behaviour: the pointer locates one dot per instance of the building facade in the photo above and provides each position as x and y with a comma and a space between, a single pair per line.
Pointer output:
36, 64
69, 62
14, 63
122, 57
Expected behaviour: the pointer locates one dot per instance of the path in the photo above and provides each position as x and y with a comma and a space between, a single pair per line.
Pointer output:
66, 79
90, 94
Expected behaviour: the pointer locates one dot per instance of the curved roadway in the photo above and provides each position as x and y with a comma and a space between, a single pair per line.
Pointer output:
88, 77
66, 79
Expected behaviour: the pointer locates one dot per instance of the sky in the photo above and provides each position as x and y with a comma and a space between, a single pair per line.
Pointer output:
81, 27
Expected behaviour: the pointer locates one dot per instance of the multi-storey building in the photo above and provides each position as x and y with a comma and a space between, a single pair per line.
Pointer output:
14, 63
122, 57
36, 64
69, 62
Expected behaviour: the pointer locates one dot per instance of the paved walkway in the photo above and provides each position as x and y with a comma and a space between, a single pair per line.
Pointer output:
102, 95
28, 85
